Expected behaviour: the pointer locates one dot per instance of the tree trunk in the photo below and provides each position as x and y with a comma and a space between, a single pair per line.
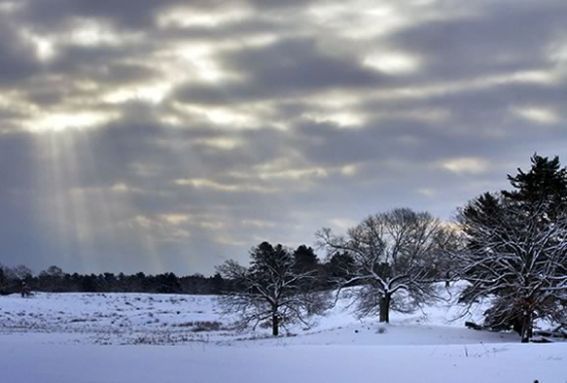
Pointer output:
526, 327
385, 308
275, 324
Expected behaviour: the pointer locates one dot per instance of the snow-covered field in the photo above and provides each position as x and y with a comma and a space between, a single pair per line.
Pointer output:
170, 338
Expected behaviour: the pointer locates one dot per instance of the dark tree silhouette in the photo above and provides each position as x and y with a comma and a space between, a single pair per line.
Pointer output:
270, 290
516, 248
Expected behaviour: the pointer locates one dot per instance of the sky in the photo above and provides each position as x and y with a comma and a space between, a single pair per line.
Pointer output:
173, 135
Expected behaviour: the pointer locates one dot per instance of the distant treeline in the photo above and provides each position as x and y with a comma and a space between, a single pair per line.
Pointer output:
54, 279
12, 280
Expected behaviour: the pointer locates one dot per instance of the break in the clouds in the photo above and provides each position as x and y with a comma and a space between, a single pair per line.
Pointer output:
172, 135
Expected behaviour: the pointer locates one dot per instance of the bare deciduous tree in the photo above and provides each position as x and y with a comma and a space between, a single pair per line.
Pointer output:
391, 252
271, 290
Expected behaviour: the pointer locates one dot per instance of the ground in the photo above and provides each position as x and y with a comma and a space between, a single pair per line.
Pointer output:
139, 338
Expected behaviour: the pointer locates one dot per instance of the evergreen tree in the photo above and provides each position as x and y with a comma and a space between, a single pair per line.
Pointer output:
542, 188
305, 259
340, 266
270, 290
516, 248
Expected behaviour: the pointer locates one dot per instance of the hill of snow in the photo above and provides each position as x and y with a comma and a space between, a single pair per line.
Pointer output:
167, 338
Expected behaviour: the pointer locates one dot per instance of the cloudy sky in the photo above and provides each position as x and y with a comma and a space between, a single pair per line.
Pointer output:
171, 135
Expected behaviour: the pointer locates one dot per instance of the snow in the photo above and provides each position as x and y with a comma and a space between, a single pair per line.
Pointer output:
170, 338
111, 318
208, 363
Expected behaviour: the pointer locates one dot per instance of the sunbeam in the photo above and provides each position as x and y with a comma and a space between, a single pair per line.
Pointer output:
173, 136
89, 223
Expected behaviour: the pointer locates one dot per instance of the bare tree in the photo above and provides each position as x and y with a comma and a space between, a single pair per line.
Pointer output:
391, 252
271, 290
517, 259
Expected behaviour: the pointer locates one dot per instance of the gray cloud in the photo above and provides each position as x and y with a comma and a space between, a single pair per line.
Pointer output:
286, 68
16, 57
501, 37
131, 143
55, 12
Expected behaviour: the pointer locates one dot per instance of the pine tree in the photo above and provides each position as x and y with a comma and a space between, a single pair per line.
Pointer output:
542, 188
305, 259
270, 290
516, 248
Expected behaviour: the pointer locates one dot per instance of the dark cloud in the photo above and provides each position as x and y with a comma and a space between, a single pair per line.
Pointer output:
499, 38
289, 67
17, 156
17, 61
266, 126
56, 12
102, 63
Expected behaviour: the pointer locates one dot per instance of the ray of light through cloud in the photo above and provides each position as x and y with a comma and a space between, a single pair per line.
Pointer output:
172, 135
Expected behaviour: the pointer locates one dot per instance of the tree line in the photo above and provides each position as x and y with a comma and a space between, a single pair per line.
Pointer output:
54, 279
510, 246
